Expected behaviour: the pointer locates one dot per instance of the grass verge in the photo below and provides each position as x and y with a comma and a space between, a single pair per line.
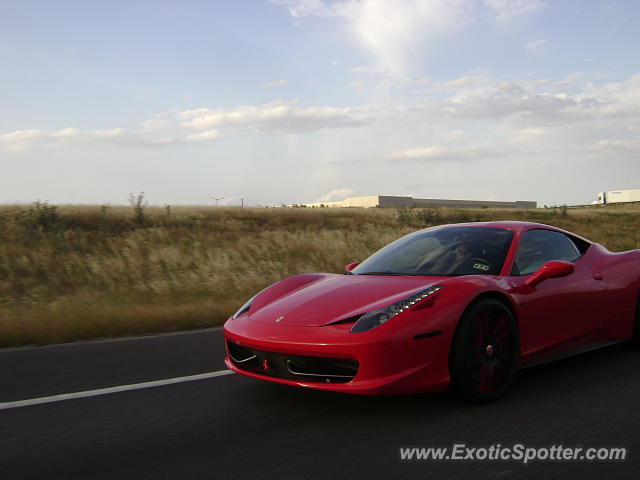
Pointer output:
78, 272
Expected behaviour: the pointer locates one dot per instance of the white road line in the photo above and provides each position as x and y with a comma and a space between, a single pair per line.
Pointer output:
106, 391
144, 336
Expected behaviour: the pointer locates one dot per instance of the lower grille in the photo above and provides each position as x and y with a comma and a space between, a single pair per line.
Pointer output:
293, 367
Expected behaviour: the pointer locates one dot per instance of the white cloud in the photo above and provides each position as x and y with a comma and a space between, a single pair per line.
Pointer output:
304, 8
204, 136
66, 132
169, 140
618, 146
527, 135
336, 195
419, 153
508, 10
446, 153
389, 30
281, 116
110, 133
461, 83
536, 45
503, 99
397, 32
22, 140
536, 100
524, 117
357, 84
276, 83
476, 117
421, 81
393, 31
154, 124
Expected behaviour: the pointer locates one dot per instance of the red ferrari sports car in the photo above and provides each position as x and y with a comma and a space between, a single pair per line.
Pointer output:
458, 307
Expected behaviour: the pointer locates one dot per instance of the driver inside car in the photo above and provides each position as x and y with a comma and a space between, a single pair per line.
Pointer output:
462, 252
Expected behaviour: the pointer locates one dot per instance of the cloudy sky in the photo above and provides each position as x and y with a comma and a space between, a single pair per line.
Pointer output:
288, 101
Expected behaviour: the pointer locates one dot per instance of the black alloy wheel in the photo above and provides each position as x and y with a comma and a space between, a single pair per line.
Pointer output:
485, 352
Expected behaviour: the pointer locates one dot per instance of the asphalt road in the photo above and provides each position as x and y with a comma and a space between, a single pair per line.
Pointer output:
233, 427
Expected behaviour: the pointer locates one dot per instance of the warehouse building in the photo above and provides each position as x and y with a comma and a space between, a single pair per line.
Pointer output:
391, 201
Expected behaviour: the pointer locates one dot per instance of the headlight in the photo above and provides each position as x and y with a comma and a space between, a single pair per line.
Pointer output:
377, 317
244, 308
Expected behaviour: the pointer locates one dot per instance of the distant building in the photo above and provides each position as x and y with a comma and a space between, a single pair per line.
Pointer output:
396, 202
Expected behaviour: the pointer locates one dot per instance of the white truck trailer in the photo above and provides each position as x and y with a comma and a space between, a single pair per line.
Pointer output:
618, 196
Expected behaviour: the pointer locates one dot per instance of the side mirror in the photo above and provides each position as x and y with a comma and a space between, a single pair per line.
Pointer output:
351, 266
551, 269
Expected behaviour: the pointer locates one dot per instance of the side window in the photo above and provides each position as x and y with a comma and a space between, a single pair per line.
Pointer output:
539, 246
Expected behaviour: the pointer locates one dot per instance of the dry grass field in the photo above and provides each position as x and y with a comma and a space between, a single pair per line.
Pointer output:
76, 272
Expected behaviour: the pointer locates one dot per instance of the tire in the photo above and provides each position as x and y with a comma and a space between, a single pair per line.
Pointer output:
485, 352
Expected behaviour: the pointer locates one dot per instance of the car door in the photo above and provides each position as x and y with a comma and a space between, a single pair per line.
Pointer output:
559, 313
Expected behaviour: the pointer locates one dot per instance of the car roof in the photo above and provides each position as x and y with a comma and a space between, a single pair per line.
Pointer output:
517, 226
508, 224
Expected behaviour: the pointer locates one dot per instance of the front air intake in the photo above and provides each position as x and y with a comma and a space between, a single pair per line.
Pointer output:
293, 367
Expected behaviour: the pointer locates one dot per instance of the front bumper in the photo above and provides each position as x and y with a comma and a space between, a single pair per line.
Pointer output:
387, 360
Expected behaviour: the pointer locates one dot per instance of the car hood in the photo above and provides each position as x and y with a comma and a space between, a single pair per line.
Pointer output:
315, 300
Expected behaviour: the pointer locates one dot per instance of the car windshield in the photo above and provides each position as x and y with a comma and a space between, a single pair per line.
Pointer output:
442, 252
